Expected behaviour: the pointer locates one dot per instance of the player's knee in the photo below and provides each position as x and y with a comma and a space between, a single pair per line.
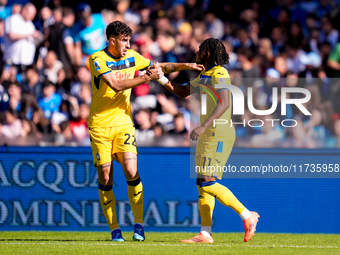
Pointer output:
131, 173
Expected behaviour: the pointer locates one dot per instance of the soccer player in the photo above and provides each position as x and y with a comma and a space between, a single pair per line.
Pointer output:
111, 128
214, 142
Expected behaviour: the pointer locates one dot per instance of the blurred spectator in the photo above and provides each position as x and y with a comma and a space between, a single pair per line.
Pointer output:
179, 127
249, 70
146, 24
295, 34
79, 126
132, 14
214, 25
280, 65
14, 127
65, 113
143, 125
20, 36
193, 10
44, 19
294, 55
50, 101
12, 97
276, 37
5, 10
85, 93
32, 83
28, 104
53, 69
265, 58
163, 24
328, 33
83, 76
244, 41
59, 39
178, 15
166, 43
183, 50
43, 125
88, 34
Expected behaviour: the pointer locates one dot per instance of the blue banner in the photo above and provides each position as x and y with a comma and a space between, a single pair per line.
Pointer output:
57, 189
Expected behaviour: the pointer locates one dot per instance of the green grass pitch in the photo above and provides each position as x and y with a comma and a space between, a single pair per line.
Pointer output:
165, 243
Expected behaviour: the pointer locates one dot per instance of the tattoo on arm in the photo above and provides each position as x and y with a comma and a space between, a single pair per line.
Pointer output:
169, 68
129, 159
106, 165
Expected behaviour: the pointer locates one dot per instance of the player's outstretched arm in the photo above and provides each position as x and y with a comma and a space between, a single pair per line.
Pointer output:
216, 114
120, 85
179, 89
174, 67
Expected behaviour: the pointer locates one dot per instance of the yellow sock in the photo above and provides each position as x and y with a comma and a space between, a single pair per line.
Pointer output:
135, 193
224, 196
108, 202
206, 204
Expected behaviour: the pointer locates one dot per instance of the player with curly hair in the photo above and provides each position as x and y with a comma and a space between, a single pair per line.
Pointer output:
112, 133
214, 142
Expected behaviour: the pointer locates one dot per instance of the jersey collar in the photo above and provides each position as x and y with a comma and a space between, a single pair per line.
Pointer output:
109, 54
210, 67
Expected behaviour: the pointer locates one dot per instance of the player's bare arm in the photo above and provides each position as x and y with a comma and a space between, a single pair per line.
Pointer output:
180, 90
174, 67
120, 85
216, 114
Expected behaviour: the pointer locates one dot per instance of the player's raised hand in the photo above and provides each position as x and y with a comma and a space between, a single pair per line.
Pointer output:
194, 66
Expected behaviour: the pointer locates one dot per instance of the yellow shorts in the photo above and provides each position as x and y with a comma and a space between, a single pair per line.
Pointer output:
211, 157
106, 141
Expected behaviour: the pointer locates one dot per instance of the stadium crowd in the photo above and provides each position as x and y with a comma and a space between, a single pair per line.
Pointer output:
45, 83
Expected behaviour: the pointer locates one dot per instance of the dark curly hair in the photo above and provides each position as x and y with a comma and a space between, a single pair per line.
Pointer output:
118, 28
217, 51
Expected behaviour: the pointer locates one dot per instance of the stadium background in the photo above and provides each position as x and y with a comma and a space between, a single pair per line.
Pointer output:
307, 205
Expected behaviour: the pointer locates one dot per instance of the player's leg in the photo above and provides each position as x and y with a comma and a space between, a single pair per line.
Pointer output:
101, 150
126, 153
206, 204
128, 161
222, 193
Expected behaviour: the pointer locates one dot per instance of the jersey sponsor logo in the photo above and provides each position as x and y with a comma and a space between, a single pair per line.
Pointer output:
122, 75
96, 65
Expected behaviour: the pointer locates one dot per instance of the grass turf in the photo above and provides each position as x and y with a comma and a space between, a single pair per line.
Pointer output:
165, 243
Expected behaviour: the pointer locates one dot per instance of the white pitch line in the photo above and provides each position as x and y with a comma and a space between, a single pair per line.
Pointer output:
164, 244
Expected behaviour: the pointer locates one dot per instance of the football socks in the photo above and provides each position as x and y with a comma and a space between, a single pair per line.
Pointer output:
108, 202
223, 195
135, 193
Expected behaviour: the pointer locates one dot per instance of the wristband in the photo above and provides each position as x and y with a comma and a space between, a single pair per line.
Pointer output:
163, 80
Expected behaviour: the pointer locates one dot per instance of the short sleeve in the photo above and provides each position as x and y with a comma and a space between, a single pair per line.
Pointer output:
221, 77
141, 63
98, 66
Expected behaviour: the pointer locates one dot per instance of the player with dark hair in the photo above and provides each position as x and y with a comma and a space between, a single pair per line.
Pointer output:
112, 132
215, 142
